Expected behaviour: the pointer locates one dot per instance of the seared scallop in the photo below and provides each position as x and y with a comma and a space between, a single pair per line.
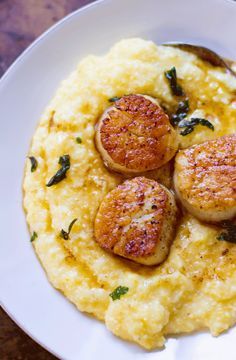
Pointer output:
137, 220
135, 135
205, 179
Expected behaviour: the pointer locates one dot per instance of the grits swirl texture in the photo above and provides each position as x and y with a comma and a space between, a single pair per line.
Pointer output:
195, 287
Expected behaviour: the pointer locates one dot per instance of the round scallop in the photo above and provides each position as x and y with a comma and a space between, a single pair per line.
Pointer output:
135, 135
205, 179
137, 221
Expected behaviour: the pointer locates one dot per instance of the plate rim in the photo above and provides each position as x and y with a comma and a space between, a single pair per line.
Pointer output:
5, 76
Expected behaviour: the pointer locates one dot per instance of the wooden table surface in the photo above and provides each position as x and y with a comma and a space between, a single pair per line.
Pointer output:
21, 21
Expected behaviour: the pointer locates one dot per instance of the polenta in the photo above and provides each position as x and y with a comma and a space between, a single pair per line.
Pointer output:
195, 287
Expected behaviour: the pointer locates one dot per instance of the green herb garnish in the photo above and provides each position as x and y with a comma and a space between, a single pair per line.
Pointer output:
171, 76
65, 234
33, 236
113, 99
34, 163
187, 131
190, 124
118, 292
64, 161
228, 233
196, 121
181, 112
204, 122
78, 140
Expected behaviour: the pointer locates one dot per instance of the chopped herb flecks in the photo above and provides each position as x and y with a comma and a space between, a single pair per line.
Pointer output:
78, 140
113, 99
64, 161
228, 233
190, 124
34, 163
33, 236
118, 292
65, 234
171, 76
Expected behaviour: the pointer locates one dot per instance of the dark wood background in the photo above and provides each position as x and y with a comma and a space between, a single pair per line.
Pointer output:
21, 21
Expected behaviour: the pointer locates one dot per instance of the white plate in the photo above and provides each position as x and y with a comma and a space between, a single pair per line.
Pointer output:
24, 92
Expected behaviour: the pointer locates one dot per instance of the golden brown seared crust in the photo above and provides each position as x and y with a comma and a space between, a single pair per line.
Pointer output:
135, 135
205, 179
136, 220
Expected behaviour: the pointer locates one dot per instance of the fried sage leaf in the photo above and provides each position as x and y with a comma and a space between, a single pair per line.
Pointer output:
187, 131
228, 233
190, 124
64, 161
181, 112
171, 76
118, 292
113, 99
33, 236
204, 122
196, 121
65, 234
34, 163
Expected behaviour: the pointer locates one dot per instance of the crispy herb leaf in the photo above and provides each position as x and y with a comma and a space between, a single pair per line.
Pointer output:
171, 76
181, 112
64, 161
33, 236
78, 140
71, 225
186, 123
34, 163
196, 121
187, 131
118, 292
206, 123
203, 122
113, 99
228, 233
65, 234
189, 124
